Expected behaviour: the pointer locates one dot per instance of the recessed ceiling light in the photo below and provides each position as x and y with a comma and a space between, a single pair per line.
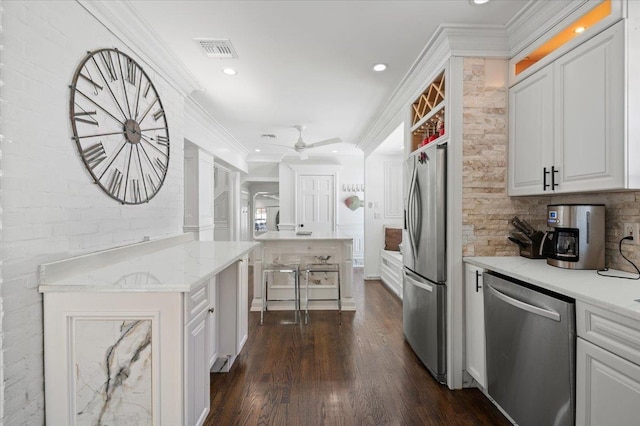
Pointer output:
257, 149
229, 71
579, 30
334, 151
379, 67
478, 1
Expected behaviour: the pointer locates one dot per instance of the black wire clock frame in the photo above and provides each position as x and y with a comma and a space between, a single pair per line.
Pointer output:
116, 123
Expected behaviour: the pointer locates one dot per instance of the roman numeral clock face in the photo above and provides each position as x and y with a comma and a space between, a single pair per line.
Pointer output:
119, 126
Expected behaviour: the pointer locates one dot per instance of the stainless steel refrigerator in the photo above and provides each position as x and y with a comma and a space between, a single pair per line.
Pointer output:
424, 257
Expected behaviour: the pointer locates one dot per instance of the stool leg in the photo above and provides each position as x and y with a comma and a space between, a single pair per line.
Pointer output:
339, 297
296, 295
298, 302
306, 298
264, 296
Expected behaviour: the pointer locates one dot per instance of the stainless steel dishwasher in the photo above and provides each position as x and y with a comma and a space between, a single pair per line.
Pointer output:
531, 346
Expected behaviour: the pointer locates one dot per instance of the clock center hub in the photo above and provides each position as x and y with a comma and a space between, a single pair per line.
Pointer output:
132, 131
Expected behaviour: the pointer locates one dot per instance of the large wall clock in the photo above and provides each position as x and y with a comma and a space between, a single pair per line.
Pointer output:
119, 126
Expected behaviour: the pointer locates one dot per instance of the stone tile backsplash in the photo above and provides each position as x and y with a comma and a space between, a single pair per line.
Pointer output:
487, 208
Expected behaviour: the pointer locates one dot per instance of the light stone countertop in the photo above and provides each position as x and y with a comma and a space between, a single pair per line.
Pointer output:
613, 294
291, 236
178, 268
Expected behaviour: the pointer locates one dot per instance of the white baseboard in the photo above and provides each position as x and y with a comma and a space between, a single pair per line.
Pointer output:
372, 278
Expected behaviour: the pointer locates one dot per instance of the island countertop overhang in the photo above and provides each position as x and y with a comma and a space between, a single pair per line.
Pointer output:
177, 268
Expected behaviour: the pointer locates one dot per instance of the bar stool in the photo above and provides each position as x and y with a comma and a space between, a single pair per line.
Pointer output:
271, 268
317, 268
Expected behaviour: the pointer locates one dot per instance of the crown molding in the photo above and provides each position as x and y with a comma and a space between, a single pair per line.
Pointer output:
201, 115
124, 21
487, 41
201, 129
536, 18
448, 40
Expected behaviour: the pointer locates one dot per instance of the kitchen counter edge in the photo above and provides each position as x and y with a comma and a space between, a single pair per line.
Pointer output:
292, 236
153, 264
613, 294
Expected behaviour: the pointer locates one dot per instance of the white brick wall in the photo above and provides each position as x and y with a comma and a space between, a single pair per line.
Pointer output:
51, 210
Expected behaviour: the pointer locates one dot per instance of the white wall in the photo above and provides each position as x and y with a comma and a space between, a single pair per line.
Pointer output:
50, 208
347, 221
376, 215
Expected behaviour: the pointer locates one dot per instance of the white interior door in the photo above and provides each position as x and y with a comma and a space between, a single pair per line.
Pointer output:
316, 203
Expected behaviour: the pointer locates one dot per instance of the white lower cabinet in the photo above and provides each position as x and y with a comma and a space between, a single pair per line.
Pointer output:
232, 314
474, 324
212, 319
196, 396
607, 387
243, 304
607, 367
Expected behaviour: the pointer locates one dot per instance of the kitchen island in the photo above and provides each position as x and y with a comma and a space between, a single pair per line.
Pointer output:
318, 247
131, 333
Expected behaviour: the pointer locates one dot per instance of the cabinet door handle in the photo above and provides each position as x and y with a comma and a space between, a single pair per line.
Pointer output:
478, 286
544, 179
212, 310
553, 177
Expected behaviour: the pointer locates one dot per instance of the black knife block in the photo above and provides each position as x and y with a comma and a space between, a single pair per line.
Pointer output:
533, 249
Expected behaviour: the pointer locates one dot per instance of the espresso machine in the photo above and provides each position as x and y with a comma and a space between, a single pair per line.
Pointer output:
578, 236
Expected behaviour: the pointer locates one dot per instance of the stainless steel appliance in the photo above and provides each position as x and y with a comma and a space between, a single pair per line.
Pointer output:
577, 241
530, 351
424, 257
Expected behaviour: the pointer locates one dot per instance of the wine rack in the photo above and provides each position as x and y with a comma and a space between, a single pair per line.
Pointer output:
428, 114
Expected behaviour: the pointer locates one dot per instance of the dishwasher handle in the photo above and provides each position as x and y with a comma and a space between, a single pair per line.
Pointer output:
552, 315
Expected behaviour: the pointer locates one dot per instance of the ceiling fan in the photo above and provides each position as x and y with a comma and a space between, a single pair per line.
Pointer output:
301, 146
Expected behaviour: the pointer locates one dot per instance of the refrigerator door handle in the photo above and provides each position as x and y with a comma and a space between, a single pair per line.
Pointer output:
417, 226
552, 315
416, 283
412, 210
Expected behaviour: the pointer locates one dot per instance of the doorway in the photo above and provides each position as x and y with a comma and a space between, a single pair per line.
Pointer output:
316, 203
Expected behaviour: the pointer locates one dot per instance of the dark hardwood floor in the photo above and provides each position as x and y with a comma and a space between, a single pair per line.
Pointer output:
360, 372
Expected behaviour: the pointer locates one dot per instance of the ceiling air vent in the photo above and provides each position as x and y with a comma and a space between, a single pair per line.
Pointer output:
217, 48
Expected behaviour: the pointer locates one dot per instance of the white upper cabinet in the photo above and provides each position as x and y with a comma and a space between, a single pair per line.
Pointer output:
589, 113
567, 122
531, 133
